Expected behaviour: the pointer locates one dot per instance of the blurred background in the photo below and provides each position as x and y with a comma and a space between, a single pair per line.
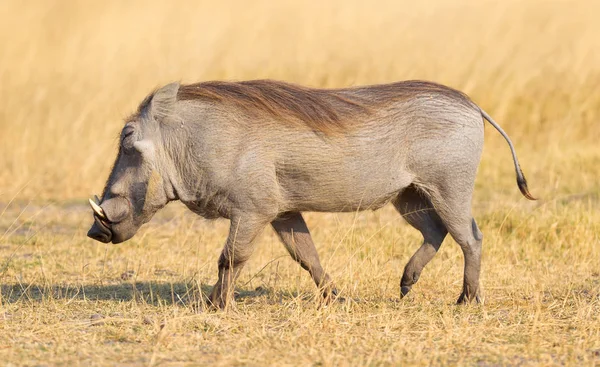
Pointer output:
70, 71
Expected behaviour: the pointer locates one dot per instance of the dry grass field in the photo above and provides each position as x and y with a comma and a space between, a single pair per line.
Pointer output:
70, 71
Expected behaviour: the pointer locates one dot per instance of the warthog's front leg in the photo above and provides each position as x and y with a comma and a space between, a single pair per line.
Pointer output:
294, 234
238, 248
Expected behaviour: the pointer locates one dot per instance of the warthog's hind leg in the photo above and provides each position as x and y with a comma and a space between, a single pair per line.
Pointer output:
294, 234
418, 211
454, 208
471, 247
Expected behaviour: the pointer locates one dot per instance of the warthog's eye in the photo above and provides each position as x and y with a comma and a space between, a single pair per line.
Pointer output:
127, 139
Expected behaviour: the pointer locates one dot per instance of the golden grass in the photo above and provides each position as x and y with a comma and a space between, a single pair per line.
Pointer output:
69, 73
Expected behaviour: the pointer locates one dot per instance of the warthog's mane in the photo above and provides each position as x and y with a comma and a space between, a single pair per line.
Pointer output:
323, 110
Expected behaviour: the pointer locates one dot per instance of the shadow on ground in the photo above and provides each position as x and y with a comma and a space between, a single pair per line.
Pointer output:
154, 293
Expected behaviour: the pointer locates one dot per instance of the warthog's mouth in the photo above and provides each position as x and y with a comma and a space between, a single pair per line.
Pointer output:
100, 230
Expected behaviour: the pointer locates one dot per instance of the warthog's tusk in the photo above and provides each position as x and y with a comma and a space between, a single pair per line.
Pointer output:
97, 209
96, 199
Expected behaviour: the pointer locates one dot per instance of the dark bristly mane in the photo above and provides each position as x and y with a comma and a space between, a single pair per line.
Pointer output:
323, 110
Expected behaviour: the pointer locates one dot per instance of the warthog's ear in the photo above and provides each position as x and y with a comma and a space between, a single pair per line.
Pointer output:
163, 101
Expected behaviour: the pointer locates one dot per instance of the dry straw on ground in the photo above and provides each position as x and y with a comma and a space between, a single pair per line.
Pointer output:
71, 70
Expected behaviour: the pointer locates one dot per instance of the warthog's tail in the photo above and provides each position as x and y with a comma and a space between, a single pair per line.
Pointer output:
521, 181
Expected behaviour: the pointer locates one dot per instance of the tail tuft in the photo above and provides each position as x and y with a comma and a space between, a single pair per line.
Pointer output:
522, 183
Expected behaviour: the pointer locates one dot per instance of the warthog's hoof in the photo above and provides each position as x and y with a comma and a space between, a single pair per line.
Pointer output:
466, 299
404, 291
330, 294
218, 301
331, 297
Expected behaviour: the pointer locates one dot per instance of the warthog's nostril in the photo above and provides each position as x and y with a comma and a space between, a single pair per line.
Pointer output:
99, 231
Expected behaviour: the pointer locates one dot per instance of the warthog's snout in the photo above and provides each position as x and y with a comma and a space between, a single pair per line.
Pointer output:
106, 217
100, 231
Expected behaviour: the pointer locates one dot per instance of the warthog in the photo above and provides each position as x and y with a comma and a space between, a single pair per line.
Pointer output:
262, 152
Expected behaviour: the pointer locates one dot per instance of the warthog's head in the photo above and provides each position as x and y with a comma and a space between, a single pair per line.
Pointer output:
139, 183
